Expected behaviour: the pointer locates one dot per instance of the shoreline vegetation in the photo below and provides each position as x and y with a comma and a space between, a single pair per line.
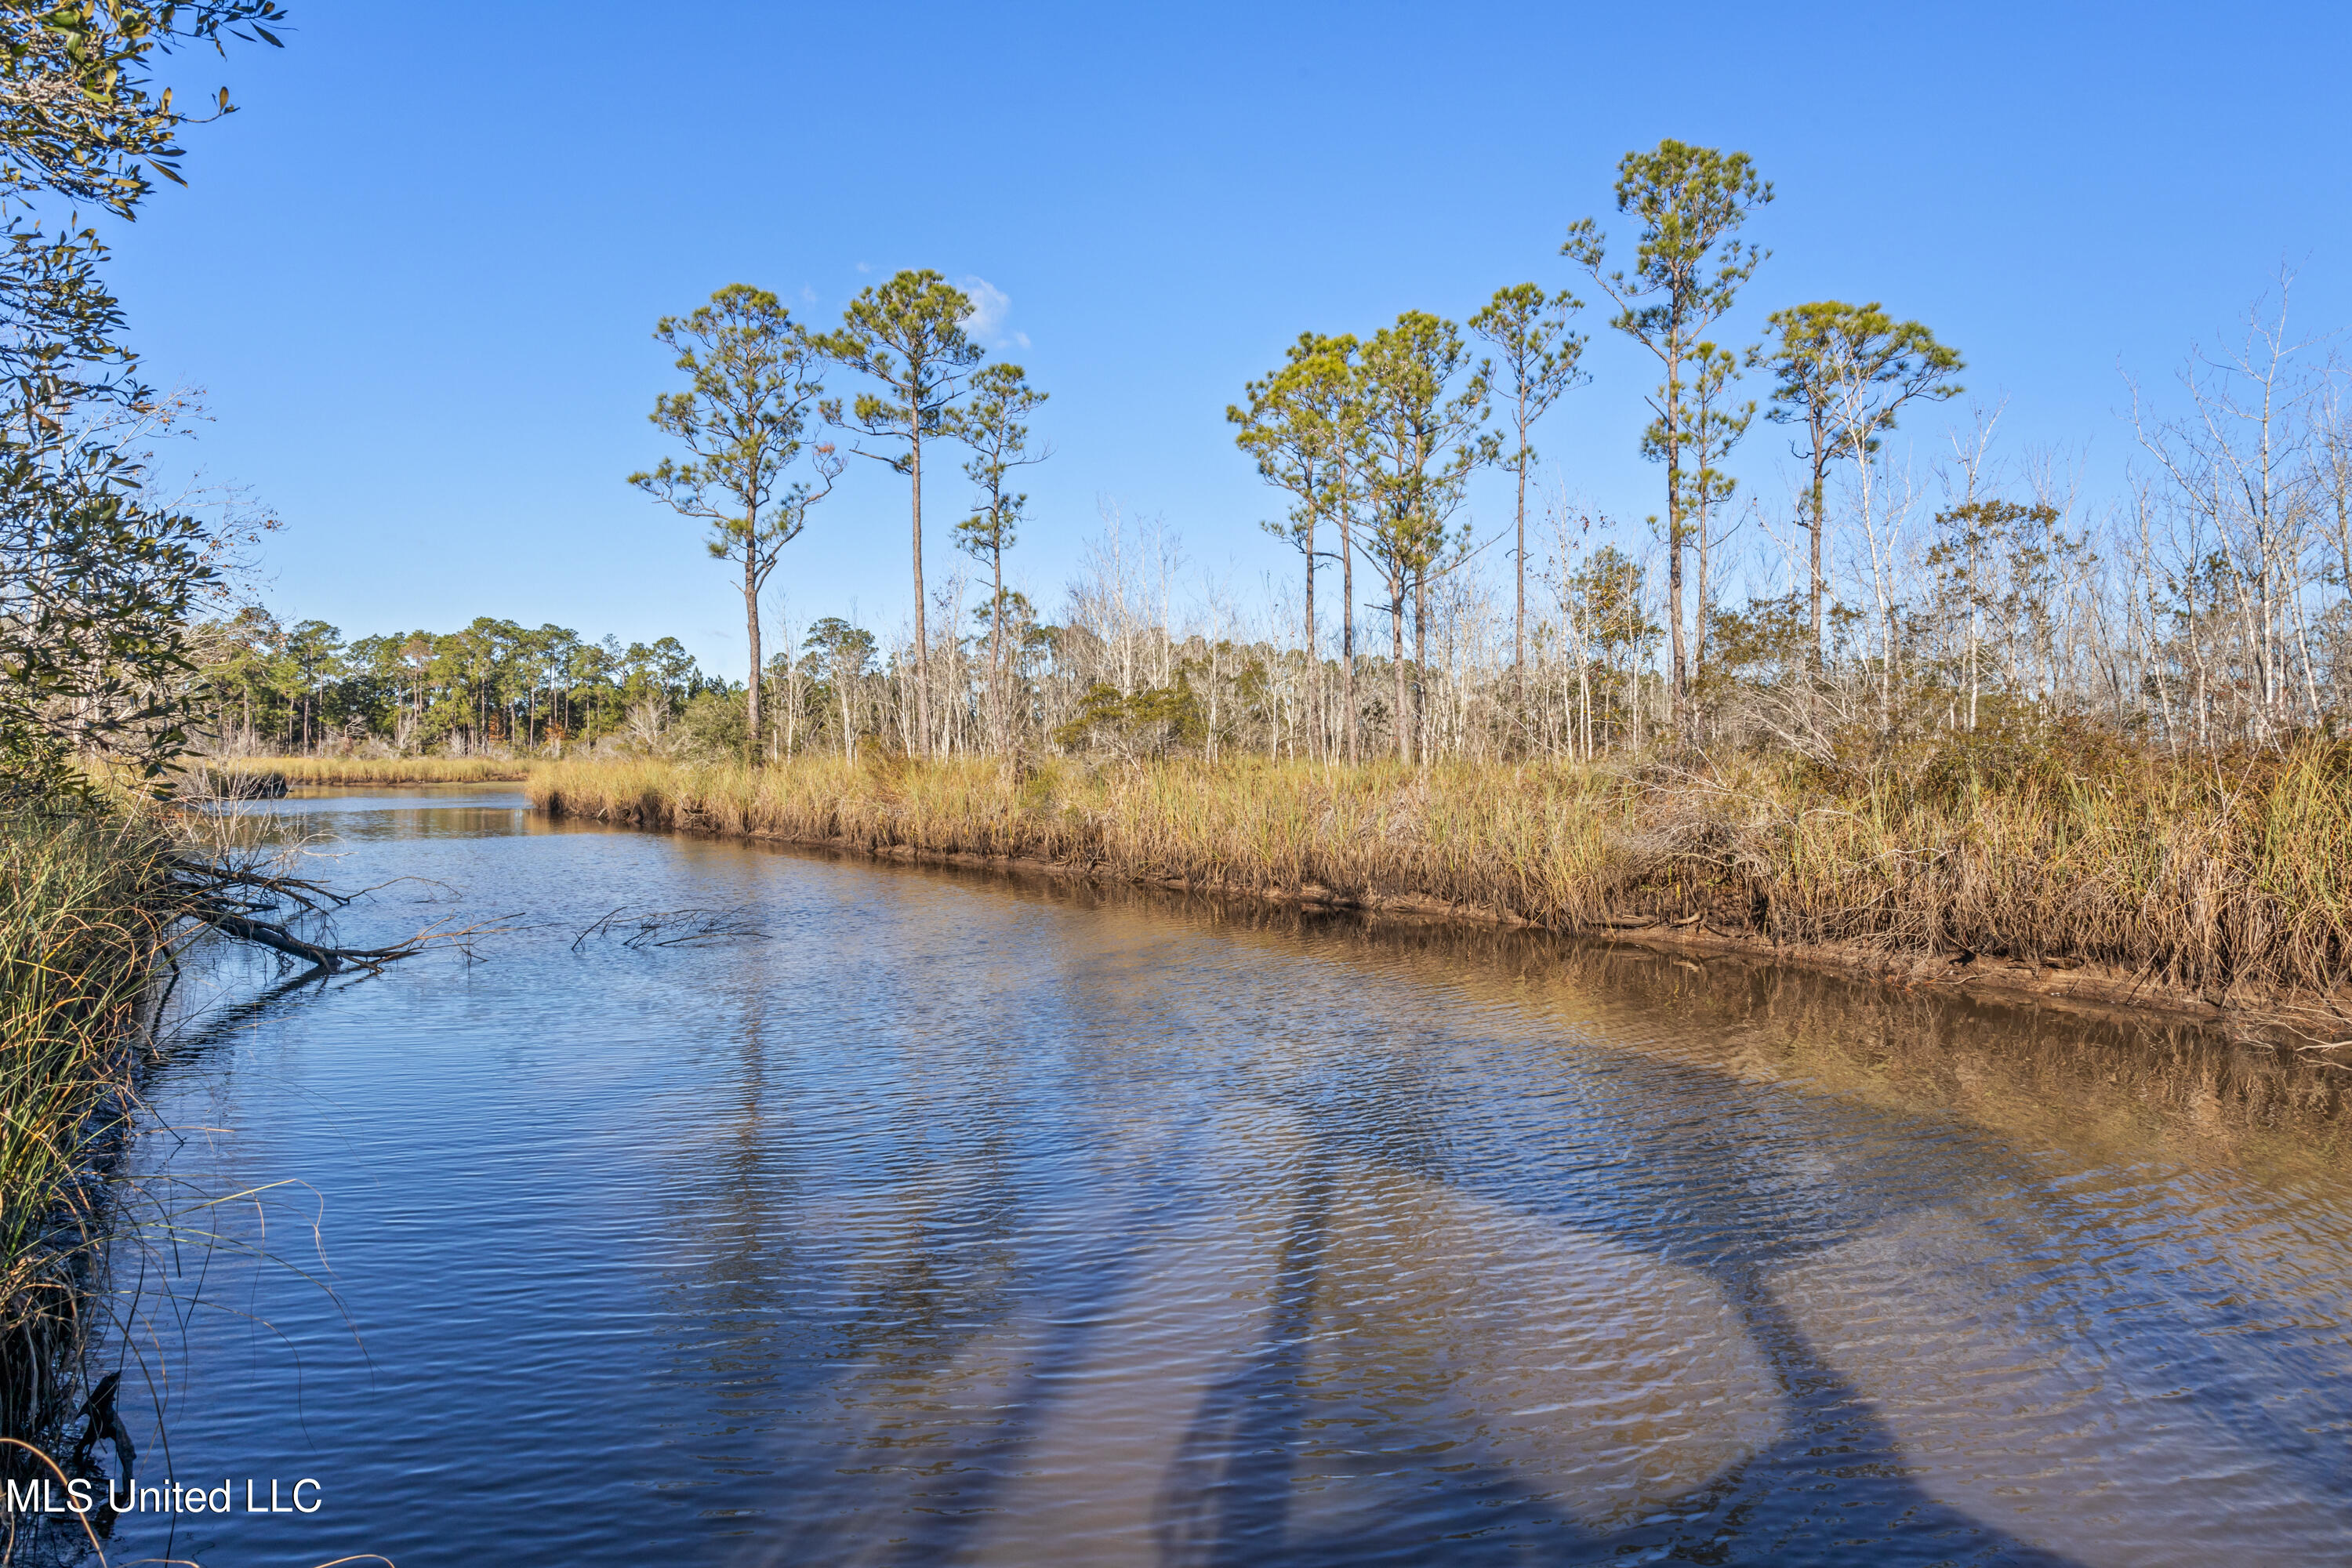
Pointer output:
2108, 876
220, 774
84, 913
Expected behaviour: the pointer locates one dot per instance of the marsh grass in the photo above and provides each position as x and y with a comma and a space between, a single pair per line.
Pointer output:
2205, 874
80, 928
376, 770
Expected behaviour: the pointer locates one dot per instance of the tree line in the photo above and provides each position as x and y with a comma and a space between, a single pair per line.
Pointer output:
278, 687
1890, 592
1886, 594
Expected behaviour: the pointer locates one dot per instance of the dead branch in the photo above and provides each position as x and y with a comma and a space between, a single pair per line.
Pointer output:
673, 928
231, 896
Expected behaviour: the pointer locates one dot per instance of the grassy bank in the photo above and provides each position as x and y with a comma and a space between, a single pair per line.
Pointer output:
2195, 878
378, 770
77, 928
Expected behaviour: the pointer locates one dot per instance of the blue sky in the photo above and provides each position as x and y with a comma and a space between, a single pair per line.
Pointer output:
417, 274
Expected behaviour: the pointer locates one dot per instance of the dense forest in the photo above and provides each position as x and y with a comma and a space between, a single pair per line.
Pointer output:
294, 688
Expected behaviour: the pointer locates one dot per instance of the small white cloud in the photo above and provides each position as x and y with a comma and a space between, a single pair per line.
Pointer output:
808, 295
989, 306
1021, 339
865, 267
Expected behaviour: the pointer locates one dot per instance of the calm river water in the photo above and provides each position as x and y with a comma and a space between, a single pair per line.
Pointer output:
960, 1220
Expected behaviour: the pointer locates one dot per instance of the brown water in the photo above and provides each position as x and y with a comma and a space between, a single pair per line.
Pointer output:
960, 1220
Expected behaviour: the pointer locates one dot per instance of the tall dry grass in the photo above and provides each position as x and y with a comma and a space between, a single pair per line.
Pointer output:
378, 770
2200, 874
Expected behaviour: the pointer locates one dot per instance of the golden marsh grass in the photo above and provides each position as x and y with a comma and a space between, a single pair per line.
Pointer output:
379, 770
2193, 874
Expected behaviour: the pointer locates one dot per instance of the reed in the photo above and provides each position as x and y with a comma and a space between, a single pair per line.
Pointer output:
2202, 876
79, 924
377, 769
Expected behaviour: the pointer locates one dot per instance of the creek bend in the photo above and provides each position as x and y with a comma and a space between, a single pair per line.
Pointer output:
968, 1220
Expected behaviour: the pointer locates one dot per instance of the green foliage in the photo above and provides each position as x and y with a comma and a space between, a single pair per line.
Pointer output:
492, 684
1604, 594
716, 724
1688, 201
753, 385
1297, 426
1713, 428
58, 326
1840, 374
1146, 723
843, 651
992, 426
906, 335
79, 116
1768, 639
1846, 370
96, 590
1687, 270
1422, 439
1540, 361
843, 655
98, 586
1689, 265
1019, 614
1540, 358
96, 583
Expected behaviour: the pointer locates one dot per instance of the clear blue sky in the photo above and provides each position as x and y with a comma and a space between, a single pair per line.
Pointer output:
417, 272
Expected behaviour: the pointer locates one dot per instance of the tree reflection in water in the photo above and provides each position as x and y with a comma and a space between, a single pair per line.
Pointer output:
1268, 1239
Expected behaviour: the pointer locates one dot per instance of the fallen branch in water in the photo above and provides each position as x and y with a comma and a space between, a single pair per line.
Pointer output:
229, 894
672, 928
2308, 1043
